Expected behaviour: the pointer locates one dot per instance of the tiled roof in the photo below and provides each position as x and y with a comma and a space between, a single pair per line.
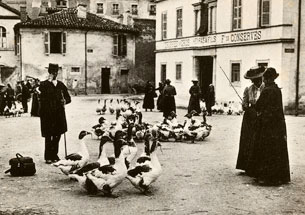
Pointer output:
68, 19
9, 8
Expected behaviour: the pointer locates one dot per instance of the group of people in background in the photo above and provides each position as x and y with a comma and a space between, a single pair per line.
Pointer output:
22, 93
263, 152
166, 100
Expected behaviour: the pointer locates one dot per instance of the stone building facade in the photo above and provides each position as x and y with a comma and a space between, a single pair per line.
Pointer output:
95, 51
217, 40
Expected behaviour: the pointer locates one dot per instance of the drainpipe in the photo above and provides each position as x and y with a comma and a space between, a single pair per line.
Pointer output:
298, 61
20, 55
86, 62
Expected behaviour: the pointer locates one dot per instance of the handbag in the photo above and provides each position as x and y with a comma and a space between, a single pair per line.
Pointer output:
21, 166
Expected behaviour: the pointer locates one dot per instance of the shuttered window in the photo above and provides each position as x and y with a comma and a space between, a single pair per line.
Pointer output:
178, 71
55, 42
2, 37
179, 23
64, 42
265, 13
237, 11
164, 25
46, 43
120, 45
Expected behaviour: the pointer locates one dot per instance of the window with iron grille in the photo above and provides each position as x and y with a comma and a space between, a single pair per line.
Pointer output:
115, 9
152, 9
179, 23
237, 10
134, 9
265, 13
100, 8
3, 42
120, 45
178, 71
164, 25
235, 72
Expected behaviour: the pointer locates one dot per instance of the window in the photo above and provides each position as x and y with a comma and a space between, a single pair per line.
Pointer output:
55, 42
17, 44
263, 64
115, 9
264, 12
235, 72
61, 3
179, 23
152, 9
178, 71
75, 69
100, 8
237, 14
134, 9
120, 45
212, 19
2, 37
197, 20
163, 73
164, 25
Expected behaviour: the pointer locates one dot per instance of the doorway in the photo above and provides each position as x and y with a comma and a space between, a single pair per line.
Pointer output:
105, 88
124, 81
163, 73
205, 75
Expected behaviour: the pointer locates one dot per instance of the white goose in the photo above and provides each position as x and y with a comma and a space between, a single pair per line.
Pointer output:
148, 168
77, 160
107, 177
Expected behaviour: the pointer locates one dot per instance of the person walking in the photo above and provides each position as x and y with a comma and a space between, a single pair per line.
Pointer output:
270, 162
35, 99
160, 97
194, 103
150, 93
169, 103
250, 96
210, 99
10, 96
53, 98
74, 86
25, 95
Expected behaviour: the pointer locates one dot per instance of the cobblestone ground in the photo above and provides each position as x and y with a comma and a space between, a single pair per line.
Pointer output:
197, 178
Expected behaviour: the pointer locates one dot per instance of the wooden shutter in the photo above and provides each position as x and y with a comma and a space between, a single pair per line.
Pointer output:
203, 29
46, 43
124, 45
64, 43
265, 13
115, 45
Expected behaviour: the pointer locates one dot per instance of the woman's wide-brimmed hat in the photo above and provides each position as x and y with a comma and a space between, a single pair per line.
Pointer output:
255, 72
271, 73
53, 67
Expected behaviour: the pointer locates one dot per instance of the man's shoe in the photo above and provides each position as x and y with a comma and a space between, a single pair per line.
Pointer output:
48, 161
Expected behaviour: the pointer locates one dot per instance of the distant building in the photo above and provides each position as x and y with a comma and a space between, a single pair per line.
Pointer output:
8, 59
213, 40
97, 52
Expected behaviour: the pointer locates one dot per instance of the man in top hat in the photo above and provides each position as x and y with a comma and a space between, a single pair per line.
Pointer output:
251, 94
194, 103
169, 103
53, 98
270, 163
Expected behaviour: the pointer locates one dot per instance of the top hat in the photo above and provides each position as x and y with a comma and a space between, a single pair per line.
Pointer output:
270, 73
53, 67
255, 72
195, 80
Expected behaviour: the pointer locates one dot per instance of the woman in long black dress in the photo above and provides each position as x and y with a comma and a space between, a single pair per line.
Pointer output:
194, 103
270, 162
250, 97
150, 93
160, 97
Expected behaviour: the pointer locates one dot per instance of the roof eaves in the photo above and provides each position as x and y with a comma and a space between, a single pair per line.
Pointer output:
17, 12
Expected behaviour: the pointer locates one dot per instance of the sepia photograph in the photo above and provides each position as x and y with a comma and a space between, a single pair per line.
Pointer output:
132, 107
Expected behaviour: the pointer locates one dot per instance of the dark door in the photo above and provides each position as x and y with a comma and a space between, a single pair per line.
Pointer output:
124, 81
105, 89
205, 72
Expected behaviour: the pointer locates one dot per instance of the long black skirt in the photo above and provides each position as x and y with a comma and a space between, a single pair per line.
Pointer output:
246, 139
169, 105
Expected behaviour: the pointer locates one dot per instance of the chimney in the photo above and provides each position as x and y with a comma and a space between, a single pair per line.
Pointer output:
23, 14
127, 18
82, 11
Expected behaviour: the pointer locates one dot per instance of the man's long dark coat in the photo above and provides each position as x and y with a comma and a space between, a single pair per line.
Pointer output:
52, 110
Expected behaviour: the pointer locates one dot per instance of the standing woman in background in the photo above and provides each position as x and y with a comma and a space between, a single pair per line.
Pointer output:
169, 103
251, 94
150, 93
210, 99
270, 162
160, 98
194, 103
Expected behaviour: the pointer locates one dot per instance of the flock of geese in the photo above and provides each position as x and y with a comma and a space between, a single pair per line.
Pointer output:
128, 129
14, 111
